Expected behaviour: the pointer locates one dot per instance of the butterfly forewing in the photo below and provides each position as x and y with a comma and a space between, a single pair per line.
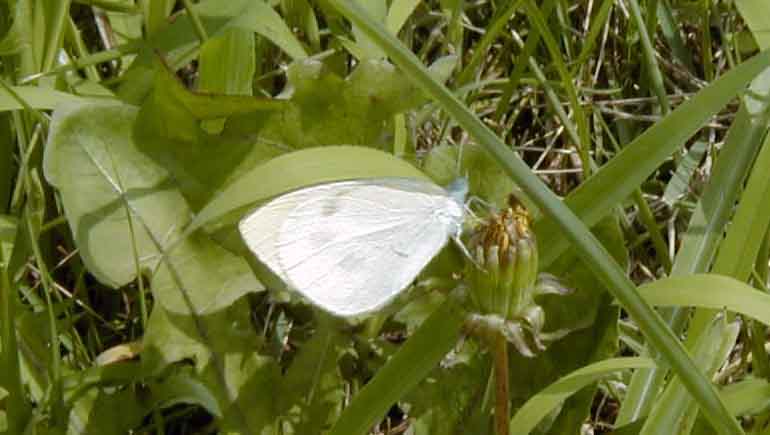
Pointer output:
352, 246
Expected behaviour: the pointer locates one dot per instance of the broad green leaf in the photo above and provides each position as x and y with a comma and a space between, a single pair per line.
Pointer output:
577, 309
179, 41
757, 17
174, 337
200, 277
578, 349
326, 109
97, 376
248, 399
487, 180
104, 412
102, 176
95, 164
541, 404
222, 346
365, 101
449, 395
590, 320
169, 91
168, 129
312, 390
301, 168
182, 387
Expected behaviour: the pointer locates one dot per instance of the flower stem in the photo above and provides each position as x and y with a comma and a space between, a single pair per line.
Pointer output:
502, 410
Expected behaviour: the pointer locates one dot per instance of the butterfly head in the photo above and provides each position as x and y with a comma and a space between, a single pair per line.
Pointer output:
458, 189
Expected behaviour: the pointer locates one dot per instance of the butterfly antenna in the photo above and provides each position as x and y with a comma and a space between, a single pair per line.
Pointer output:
458, 164
490, 208
481, 201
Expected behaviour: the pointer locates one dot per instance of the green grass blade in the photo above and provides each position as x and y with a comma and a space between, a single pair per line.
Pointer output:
524, 58
739, 250
709, 290
670, 30
17, 411
615, 181
706, 227
480, 50
650, 62
398, 13
748, 396
541, 404
675, 407
414, 360
55, 31
579, 132
679, 184
597, 25
586, 245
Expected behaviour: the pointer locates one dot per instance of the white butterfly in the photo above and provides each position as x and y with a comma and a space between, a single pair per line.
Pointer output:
352, 246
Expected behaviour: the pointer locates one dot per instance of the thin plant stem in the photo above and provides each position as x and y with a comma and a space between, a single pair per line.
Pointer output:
16, 411
200, 31
56, 33
760, 359
656, 78
502, 382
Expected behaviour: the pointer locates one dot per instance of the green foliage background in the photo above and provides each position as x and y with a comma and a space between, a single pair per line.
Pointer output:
129, 302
